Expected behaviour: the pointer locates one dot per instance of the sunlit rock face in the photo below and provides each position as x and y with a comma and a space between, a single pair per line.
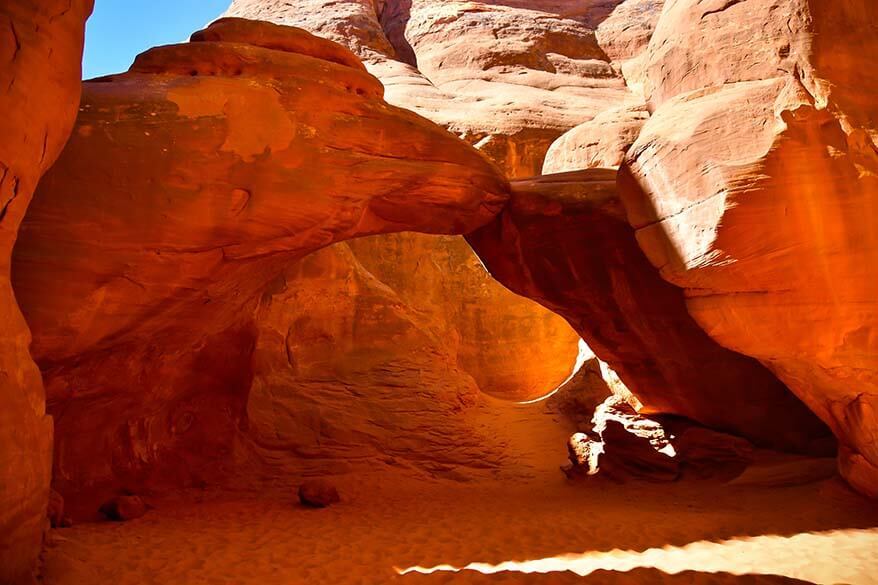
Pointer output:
507, 76
599, 143
753, 187
40, 52
564, 241
189, 185
514, 348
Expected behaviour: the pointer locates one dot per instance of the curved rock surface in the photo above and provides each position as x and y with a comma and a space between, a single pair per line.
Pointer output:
530, 70
41, 51
188, 186
512, 347
628, 315
599, 143
753, 187
349, 376
517, 104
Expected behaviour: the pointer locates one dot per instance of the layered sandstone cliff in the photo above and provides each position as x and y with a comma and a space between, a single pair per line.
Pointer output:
197, 341
40, 52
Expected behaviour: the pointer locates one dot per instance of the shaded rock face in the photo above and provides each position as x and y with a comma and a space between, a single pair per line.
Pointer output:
530, 71
564, 241
41, 51
512, 347
317, 493
624, 445
753, 188
350, 376
189, 185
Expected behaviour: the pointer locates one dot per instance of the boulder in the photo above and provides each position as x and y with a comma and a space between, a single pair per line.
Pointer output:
625, 445
124, 508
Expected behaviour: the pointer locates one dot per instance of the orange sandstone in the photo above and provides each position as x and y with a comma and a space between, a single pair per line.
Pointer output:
189, 184
41, 50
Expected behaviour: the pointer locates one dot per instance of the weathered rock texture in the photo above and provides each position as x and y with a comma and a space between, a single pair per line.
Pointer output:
753, 187
564, 241
40, 53
507, 76
541, 76
624, 445
599, 143
512, 347
351, 374
189, 185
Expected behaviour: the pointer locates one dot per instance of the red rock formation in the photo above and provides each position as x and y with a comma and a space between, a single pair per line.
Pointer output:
564, 241
512, 347
188, 186
753, 187
531, 69
40, 52
599, 143
318, 493
349, 376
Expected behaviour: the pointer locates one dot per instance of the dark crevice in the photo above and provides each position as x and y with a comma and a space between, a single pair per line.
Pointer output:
393, 16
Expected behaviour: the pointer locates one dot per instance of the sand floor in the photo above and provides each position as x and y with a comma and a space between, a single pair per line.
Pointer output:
590, 531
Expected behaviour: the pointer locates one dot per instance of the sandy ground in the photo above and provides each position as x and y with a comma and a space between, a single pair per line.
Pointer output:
532, 526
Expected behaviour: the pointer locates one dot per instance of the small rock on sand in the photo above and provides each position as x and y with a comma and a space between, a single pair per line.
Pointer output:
318, 493
123, 508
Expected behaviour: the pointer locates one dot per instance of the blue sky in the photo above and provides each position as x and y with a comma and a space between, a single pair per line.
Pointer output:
120, 29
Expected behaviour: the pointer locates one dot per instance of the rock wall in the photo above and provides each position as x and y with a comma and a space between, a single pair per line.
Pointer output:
564, 240
496, 102
189, 185
530, 71
512, 347
515, 54
41, 51
753, 187
348, 376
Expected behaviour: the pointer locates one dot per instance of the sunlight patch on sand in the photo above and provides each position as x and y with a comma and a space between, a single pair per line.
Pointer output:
830, 557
